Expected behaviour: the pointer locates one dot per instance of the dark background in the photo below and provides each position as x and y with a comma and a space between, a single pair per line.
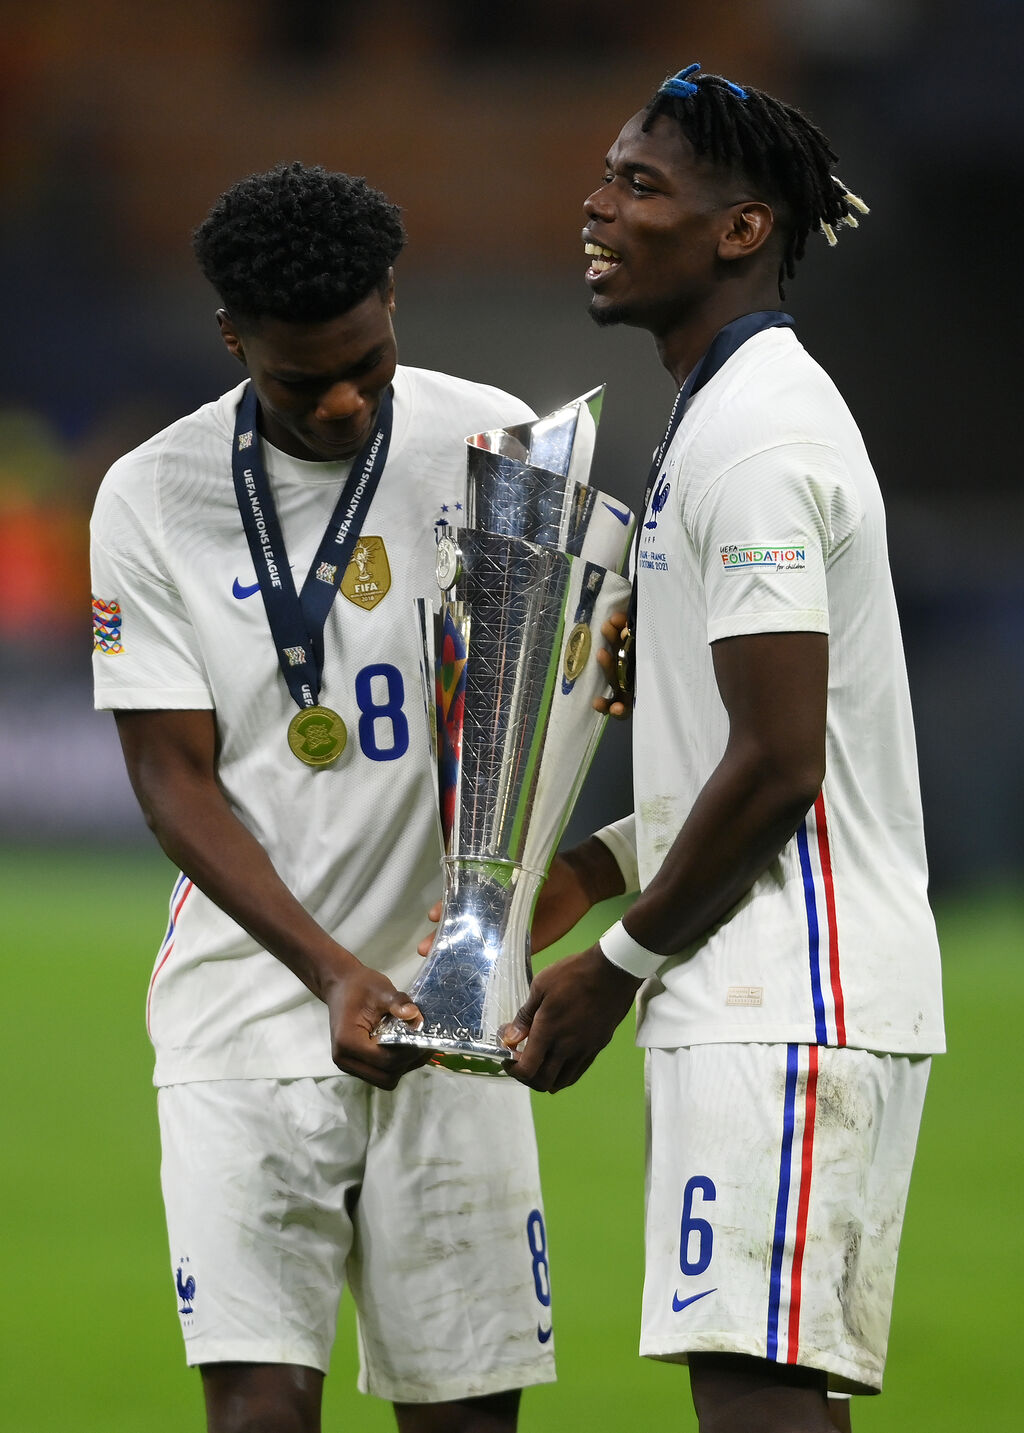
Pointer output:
488, 123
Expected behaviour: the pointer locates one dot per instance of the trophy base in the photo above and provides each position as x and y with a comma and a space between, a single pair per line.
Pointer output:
477, 975
471, 1064
462, 1054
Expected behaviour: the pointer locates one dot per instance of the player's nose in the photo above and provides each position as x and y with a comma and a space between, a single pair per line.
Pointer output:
599, 204
339, 402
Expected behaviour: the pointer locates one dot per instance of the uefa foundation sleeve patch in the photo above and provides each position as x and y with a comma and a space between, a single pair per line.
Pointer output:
764, 556
106, 627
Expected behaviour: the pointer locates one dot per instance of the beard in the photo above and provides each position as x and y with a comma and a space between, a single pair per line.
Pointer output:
606, 317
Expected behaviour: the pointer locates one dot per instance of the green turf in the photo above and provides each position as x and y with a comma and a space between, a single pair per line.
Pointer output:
88, 1320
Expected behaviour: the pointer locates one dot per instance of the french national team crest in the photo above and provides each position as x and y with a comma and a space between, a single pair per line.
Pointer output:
185, 1283
367, 579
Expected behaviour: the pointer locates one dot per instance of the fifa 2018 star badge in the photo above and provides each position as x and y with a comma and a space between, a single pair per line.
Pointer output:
367, 579
764, 556
106, 628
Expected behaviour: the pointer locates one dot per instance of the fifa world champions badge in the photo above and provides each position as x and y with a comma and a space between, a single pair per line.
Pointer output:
367, 579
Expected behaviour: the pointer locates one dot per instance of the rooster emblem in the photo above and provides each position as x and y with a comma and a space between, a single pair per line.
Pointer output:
658, 501
186, 1291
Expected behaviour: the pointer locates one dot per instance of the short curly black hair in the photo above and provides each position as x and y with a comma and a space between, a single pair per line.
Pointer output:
299, 243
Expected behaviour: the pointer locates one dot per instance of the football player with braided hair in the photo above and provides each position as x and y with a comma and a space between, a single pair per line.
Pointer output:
781, 948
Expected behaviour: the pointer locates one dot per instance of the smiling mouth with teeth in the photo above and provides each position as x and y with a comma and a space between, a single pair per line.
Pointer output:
601, 258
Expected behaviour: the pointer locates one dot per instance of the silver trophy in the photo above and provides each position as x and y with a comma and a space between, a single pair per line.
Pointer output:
509, 683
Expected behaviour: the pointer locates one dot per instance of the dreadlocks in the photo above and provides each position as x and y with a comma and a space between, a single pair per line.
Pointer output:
773, 146
299, 243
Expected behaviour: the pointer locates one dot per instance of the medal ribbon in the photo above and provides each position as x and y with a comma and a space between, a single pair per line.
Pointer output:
297, 619
722, 347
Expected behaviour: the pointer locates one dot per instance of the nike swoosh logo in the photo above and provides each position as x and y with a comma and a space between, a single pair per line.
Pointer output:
543, 1334
237, 590
678, 1303
623, 516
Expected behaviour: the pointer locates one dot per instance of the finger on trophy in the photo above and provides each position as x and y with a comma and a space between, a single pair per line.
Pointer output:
613, 627
405, 1009
513, 1035
427, 943
615, 702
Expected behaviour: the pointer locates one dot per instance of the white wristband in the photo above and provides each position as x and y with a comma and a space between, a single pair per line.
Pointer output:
618, 946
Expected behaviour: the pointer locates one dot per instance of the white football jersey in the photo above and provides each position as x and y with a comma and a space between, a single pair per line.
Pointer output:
767, 517
179, 623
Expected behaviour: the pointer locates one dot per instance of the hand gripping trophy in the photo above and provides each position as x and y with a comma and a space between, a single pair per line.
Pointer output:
509, 688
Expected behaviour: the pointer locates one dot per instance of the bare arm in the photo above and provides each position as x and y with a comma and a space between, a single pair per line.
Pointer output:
774, 688
171, 760
578, 879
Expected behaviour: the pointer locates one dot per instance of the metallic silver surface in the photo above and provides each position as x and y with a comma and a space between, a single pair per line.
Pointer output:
509, 682
517, 500
562, 442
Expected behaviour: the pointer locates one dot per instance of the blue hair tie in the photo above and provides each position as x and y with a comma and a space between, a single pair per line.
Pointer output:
683, 88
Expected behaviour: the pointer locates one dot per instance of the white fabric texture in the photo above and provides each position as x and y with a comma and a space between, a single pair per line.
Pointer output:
357, 842
767, 518
777, 1184
425, 1200
620, 838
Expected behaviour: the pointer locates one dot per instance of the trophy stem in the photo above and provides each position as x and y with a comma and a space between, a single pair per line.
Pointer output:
478, 972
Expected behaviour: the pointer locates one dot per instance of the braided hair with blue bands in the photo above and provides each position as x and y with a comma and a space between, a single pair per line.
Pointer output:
777, 150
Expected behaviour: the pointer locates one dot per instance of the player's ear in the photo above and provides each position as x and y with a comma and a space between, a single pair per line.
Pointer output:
747, 230
229, 333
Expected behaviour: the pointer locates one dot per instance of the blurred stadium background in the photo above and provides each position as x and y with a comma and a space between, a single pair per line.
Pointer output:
119, 125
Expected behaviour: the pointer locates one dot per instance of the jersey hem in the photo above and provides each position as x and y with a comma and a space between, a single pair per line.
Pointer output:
623, 849
754, 625
844, 1376
261, 1351
167, 1073
892, 1043
147, 699
500, 1380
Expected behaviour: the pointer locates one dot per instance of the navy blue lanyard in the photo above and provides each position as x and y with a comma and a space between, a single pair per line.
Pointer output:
297, 619
721, 348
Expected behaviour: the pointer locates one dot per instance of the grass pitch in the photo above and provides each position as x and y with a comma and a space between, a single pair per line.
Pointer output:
90, 1338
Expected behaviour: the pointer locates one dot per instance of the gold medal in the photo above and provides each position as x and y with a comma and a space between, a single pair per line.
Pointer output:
577, 650
317, 735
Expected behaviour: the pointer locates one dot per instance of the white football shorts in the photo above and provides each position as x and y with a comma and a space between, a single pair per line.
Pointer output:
425, 1200
776, 1184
